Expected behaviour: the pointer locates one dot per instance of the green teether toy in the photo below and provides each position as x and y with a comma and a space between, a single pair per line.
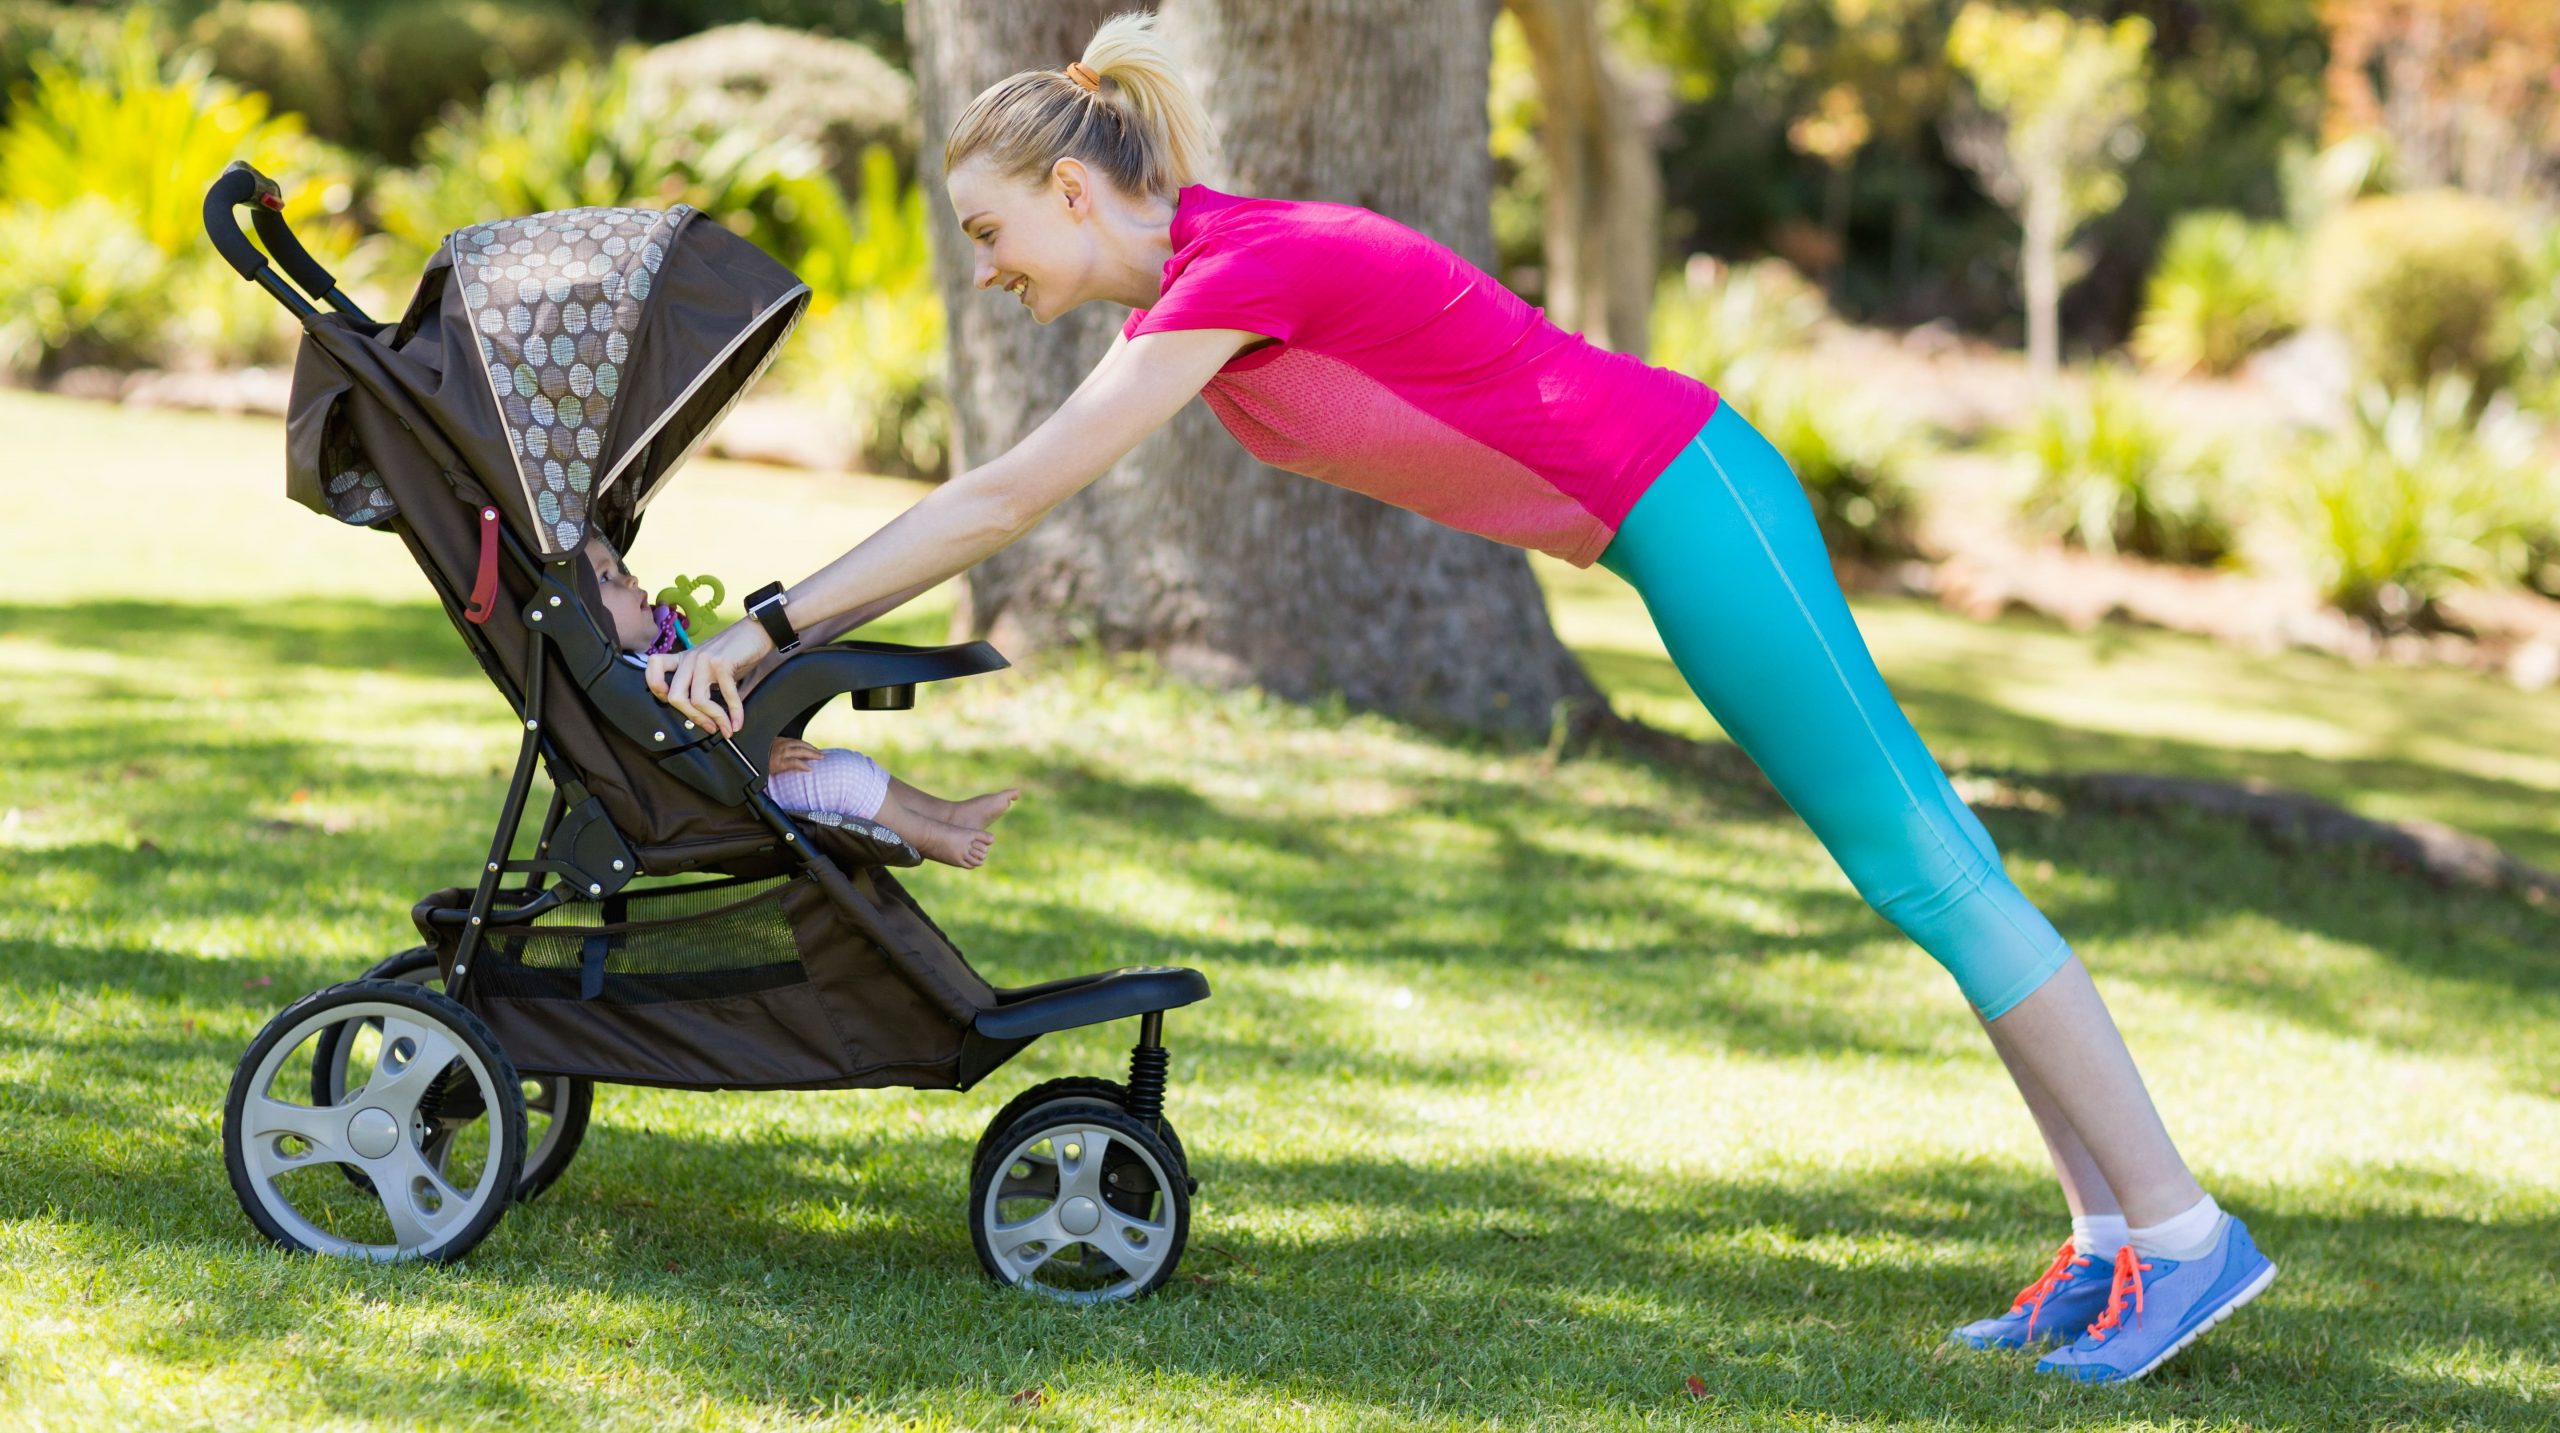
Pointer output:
681, 596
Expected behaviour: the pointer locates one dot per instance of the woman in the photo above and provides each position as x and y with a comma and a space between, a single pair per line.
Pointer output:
1336, 343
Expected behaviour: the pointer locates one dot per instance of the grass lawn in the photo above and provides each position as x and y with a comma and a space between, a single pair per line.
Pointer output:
1526, 1095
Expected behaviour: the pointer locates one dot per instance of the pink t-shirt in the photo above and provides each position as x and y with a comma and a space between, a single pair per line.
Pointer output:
1405, 372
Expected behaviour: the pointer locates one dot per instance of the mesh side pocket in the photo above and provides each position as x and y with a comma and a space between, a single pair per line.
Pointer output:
700, 942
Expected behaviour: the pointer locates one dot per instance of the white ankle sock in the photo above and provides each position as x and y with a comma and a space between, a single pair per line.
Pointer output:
2098, 1235
2182, 1237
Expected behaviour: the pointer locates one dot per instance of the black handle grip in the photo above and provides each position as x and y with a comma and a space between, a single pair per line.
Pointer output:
289, 253
239, 185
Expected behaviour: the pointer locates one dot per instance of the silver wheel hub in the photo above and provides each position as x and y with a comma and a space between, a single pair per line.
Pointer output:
1080, 1216
374, 1133
1045, 1213
382, 1137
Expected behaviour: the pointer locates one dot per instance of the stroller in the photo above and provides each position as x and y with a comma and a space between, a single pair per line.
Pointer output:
670, 925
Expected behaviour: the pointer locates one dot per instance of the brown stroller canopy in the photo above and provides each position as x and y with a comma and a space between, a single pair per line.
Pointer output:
584, 355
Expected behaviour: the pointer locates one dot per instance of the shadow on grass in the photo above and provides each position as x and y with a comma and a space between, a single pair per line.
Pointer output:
342, 633
1534, 1289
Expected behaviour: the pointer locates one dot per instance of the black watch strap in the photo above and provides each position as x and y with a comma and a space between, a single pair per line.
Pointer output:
765, 604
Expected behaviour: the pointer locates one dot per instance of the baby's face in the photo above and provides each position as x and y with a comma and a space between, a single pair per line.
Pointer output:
634, 626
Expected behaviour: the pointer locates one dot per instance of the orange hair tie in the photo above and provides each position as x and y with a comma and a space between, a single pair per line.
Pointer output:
1083, 74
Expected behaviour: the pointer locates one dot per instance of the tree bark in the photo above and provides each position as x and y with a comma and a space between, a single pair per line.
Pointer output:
1229, 571
1604, 191
2041, 259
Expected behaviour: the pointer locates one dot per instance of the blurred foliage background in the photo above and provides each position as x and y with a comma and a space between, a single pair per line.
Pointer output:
2356, 197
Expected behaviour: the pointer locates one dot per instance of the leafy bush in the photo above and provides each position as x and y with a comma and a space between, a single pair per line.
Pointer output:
583, 136
871, 350
2537, 321
2107, 476
834, 94
421, 60
2223, 289
2415, 498
29, 29
115, 153
296, 56
2422, 284
78, 285
1849, 457
1724, 324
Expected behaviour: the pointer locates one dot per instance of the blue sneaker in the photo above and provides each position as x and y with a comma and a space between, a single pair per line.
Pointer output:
2193, 1296
2058, 1305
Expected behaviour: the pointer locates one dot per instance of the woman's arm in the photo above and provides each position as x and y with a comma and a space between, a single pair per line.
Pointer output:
829, 629
1129, 394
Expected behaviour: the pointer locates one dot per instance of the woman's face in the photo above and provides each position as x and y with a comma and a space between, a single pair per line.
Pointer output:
635, 627
1029, 241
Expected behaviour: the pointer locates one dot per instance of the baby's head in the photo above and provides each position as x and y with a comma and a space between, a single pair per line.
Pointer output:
636, 627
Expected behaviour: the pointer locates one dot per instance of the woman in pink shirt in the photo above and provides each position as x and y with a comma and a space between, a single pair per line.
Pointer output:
1337, 343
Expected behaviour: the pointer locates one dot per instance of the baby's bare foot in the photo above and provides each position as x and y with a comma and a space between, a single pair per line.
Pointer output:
951, 845
981, 812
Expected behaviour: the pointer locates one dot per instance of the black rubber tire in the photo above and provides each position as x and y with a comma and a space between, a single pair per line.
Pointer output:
1079, 1087
431, 1004
572, 1099
1000, 1140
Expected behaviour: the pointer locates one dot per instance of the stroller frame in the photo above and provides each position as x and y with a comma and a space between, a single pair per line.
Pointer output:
1080, 1175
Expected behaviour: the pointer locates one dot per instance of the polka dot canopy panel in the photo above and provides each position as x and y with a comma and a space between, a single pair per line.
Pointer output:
572, 360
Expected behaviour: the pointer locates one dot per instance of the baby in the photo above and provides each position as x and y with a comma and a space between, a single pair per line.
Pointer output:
801, 777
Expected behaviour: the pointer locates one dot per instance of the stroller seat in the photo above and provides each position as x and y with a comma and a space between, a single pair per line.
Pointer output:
669, 924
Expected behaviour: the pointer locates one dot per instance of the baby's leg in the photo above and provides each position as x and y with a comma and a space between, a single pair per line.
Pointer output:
950, 844
976, 814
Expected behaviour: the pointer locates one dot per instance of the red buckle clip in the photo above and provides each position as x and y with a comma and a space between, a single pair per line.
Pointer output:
484, 583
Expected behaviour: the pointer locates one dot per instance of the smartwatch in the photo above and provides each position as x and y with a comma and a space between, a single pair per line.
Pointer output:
765, 604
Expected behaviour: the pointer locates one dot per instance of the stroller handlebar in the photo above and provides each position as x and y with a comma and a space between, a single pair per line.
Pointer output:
240, 184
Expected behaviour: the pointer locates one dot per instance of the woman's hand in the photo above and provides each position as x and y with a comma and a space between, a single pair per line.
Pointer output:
703, 683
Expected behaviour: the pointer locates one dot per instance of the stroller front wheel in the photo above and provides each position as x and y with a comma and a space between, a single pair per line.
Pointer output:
417, 1054
1079, 1202
1077, 1087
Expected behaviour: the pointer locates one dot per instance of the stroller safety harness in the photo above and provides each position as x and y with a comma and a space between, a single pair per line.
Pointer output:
671, 926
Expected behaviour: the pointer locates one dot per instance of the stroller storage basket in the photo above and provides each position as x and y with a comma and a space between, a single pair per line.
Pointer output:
723, 984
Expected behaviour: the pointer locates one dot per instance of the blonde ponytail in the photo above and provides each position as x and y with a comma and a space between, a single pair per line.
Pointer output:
1142, 128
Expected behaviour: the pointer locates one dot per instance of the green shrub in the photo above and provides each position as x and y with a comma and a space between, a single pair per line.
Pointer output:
582, 136
871, 350
2537, 323
78, 285
2223, 289
2416, 497
1849, 457
790, 84
420, 60
296, 56
2422, 284
29, 29
118, 151
2105, 475
1723, 324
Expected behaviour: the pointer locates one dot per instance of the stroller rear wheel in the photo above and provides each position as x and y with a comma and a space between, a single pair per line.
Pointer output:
413, 1057
1079, 1202
556, 1106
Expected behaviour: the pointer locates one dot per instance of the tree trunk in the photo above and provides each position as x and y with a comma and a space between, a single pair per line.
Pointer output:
1604, 191
1230, 571
2042, 260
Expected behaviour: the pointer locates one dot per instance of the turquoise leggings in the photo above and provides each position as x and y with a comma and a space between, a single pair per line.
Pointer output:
1725, 553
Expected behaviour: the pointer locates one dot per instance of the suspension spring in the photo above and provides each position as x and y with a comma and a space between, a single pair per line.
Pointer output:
1147, 1064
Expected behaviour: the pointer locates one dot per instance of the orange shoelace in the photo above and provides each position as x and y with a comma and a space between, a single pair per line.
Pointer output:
2032, 1297
2129, 1272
